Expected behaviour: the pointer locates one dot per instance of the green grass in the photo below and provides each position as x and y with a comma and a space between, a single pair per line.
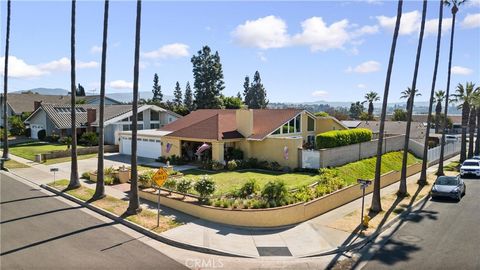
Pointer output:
452, 166
228, 181
68, 159
365, 168
12, 164
29, 150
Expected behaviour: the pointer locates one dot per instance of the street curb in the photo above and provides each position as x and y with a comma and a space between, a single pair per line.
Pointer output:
142, 230
371, 237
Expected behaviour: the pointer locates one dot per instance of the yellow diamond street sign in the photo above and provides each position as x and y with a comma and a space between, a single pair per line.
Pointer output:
160, 177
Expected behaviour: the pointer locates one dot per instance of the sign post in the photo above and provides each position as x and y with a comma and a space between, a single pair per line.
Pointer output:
159, 178
363, 185
54, 170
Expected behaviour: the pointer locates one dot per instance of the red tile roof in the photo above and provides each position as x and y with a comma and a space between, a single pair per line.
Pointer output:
221, 124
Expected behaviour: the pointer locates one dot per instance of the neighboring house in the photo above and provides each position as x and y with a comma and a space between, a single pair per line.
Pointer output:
24, 102
417, 129
265, 134
56, 119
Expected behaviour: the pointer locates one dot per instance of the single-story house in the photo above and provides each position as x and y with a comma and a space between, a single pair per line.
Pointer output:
417, 129
56, 119
19, 103
265, 134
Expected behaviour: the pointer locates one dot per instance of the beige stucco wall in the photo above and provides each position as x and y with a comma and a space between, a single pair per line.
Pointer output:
325, 124
272, 149
244, 120
174, 150
280, 216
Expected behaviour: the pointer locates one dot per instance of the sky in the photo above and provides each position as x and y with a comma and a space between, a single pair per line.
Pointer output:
304, 51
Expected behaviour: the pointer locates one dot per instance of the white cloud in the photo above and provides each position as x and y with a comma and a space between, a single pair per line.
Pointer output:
471, 20
365, 67
366, 30
458, 70
18, 68
361, 86
473, 3
319, 93
262, 56
63, 64
91, 64
410, 23
121, 84
96, 49
174, 50
321, 37
265, 33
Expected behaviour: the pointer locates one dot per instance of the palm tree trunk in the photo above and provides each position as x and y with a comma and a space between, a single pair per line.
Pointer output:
444, 126
477, 141
465, 116
376, 203
100, 185
471, 131
5, 85
134, 204
423, 174
438, 108
402, 191
74, 182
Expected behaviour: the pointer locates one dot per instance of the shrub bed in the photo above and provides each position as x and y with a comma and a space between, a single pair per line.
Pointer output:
336, 138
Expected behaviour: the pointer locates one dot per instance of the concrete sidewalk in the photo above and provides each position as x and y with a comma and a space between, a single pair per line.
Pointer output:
309, 238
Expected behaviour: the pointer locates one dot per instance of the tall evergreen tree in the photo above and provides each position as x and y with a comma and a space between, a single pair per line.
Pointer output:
246, 91
177, 93
188, 100
239, 96
80, 91
258, 93
157, 89
5, 85
208, 76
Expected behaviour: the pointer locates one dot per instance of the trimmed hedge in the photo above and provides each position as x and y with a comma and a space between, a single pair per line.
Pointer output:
336, 138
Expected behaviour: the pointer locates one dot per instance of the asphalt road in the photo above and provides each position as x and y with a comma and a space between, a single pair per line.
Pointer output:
38, 231
443, 235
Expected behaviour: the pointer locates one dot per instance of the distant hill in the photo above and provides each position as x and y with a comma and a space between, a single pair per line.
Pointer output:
46, 91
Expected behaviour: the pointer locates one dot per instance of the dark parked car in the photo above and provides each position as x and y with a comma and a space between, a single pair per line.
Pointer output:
448, 186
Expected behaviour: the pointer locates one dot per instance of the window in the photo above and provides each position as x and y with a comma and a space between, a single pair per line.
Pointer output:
126, 127
310, 124
154, 126
276, 132
139, 126
154, 116
298, 123
140, 116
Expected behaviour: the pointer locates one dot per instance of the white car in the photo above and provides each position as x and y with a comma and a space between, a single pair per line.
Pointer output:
470, 166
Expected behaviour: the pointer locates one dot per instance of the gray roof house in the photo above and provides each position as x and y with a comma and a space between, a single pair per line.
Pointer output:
18, 103
56, 119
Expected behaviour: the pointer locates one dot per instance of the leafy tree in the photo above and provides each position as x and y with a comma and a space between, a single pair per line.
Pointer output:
177, 94
205, 187
356, 110
157, 89
275, 192
208, 76
17, 127
455, 4
371, 97
239, 96
80, 91
399, 115
232, 102
184, 185
321, 114
255, 94
188, 100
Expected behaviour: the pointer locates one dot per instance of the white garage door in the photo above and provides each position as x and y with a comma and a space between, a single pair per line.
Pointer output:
149, 148
34, 130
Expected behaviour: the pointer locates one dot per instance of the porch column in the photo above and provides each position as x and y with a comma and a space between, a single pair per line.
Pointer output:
218, 151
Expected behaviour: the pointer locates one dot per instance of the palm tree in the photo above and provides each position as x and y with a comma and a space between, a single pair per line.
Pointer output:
439, 96
134, 203
407, 94
376, 203
371, 97
74, 182
456, 4
100, 186
5, 85
402, 191
464, 95
476, 103
472, 121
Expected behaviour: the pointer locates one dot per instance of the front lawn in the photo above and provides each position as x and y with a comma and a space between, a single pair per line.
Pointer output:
12, 164
230, 180
29, 150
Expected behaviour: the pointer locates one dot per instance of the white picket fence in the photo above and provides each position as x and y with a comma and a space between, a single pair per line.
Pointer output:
451, 149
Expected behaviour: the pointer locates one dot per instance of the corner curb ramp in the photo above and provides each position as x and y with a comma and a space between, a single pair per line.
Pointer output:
371, 237
143, 230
